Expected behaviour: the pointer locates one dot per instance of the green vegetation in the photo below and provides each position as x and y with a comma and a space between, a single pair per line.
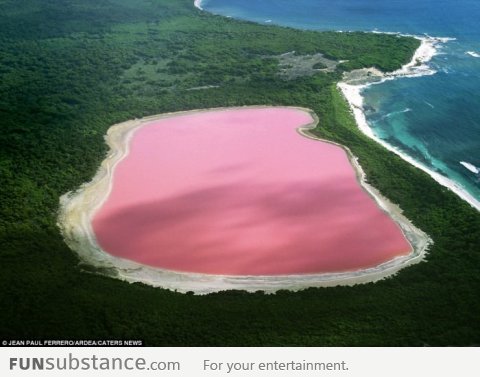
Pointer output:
71, 68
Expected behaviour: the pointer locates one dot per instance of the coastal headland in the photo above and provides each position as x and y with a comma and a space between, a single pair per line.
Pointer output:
354, 82
67, 80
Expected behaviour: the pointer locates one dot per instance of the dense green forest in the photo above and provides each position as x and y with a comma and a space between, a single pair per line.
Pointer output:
71, 68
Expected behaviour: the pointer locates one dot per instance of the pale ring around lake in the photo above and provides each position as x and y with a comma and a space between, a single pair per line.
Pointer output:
235, 198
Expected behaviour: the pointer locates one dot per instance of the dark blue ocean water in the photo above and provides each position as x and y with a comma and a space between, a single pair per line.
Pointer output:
435, 119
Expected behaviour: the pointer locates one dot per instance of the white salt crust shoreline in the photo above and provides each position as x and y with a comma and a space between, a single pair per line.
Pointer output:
415, 68
78, 208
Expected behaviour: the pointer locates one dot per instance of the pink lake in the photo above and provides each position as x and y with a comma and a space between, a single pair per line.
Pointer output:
241, 192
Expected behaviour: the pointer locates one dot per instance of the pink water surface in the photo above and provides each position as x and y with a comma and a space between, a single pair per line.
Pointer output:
241, 192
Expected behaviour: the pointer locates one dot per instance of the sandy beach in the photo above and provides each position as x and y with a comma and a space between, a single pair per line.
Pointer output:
78, 208
417, 67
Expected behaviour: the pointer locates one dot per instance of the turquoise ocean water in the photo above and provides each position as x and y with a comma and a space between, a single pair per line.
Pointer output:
434, 119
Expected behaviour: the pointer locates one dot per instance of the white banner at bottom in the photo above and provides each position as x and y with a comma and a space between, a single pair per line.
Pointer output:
241, 362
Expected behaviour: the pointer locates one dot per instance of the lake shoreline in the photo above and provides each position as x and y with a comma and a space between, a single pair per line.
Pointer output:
78, 208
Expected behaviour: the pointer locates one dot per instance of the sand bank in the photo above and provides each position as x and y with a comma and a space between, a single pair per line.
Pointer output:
78, 208
352, 91
198, 4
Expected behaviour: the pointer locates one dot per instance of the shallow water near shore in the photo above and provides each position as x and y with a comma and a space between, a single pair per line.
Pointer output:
434, 119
